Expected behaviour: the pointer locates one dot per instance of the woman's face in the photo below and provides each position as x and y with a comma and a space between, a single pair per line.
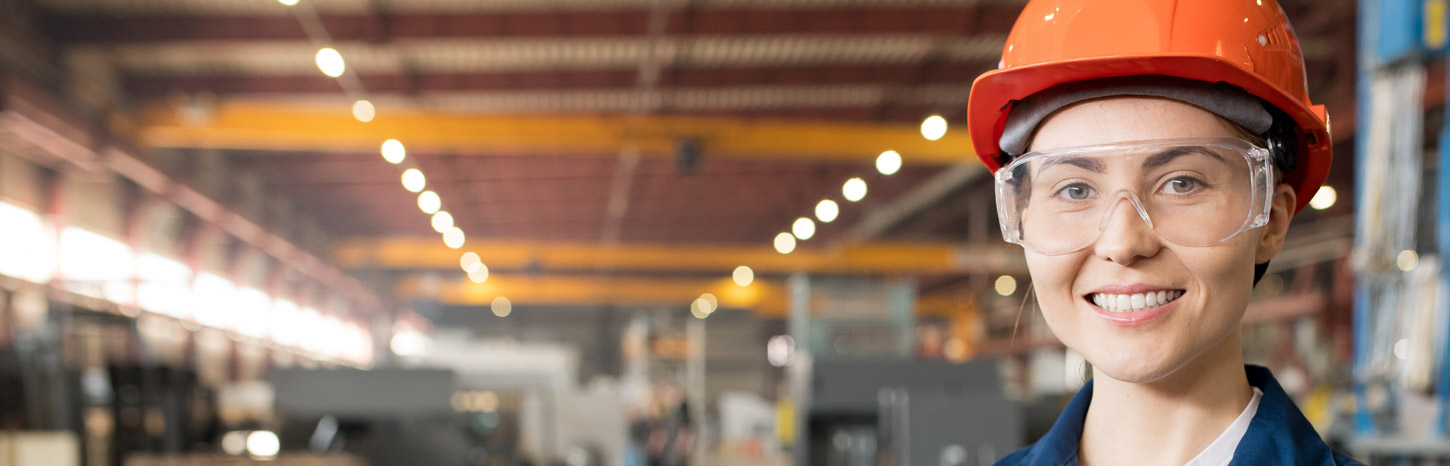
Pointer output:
1128, 256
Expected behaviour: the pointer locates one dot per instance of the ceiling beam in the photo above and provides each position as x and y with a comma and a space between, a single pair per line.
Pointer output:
107, 30
294, 128
867, 258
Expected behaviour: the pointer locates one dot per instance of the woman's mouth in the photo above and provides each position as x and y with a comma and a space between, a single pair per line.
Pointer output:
1123, 303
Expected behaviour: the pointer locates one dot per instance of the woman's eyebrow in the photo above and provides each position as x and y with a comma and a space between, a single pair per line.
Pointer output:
1083, 162
1162, 158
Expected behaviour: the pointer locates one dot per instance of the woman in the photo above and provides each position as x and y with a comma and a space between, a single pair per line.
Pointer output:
1149, 156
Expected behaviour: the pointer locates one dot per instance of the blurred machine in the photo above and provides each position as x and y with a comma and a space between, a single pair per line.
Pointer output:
905, 412
390, 416
865, 400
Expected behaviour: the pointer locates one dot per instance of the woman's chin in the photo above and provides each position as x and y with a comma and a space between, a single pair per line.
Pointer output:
1133, 368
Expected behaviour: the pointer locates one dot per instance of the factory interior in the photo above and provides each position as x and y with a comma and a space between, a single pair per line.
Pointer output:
623, 232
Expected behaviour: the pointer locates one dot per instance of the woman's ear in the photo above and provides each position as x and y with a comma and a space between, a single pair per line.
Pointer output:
1280, 213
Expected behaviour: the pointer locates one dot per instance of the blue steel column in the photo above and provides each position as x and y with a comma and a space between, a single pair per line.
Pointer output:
1368, 34
1443, 238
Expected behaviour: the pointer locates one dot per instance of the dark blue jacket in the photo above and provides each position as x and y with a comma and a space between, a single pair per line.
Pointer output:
1279, 434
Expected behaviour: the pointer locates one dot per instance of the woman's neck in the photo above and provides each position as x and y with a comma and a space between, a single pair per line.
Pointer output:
1169, 420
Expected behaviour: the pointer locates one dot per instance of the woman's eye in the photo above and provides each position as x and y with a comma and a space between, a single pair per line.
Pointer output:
1076, 192
1181, 185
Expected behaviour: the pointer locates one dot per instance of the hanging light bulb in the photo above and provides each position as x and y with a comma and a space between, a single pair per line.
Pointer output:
934, 127
888, 163
363, 111
330, 62
743, 276
803, 228
479, 274
442, 221
784, 243
854, 189
413, 180
453, 238
394, 152
470, 261
501, 306
429, 202
827, 211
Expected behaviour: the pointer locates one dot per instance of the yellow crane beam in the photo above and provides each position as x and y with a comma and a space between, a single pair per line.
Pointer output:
764, 297
864, 258
295, 127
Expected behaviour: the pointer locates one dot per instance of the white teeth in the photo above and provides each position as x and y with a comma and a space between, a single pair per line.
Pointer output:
1133, 302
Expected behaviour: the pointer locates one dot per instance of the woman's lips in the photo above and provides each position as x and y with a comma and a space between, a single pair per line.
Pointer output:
1132, 305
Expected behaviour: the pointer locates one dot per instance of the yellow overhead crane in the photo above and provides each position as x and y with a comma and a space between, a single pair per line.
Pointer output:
863, 258
291, 127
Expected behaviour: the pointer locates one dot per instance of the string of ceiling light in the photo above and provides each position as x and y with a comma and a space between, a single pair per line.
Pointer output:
332, 64
853, 190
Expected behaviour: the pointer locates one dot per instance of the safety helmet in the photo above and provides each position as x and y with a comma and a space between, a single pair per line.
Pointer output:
1248, 44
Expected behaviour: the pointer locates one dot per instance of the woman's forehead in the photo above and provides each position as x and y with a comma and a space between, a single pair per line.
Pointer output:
1126, 118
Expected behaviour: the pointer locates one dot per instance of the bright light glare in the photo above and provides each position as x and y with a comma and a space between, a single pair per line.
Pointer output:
394, 152
413, 180
442, 221
96, 265
479, 273
778, 350
453, 238
784, 243
288, 2
698, 308
934, 127
1324, 199
1408, 260
743, 276
888, 163
285, 319
410, 343
234, 443
712, 302
502, 307
164, 285
27, 246
470, 261
803, 228
827, 211
363, 111
854, 189
251, 316
263, 444
1402, 349
330, 62
429, 202
1006, 285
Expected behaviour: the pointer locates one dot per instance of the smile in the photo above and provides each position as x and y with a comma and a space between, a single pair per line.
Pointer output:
1133, 302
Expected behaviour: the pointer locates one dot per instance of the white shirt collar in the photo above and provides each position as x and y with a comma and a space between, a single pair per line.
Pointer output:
1221, 451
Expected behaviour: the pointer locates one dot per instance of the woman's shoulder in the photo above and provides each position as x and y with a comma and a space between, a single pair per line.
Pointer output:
1341, 459
1018, 457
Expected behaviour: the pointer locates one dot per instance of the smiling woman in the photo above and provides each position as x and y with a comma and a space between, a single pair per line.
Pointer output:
1149, 190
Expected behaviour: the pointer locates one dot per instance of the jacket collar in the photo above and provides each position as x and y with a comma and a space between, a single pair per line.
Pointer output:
1278, 433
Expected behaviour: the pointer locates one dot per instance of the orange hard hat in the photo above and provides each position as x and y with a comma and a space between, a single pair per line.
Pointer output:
1244, 43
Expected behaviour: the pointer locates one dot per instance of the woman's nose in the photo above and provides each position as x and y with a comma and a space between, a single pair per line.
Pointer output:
1127, 234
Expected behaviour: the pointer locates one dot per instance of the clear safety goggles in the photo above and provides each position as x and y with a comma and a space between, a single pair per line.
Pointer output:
1192, 192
